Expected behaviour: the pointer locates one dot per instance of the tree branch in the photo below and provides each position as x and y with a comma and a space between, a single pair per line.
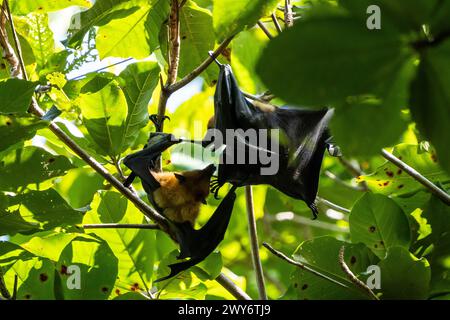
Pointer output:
288, 16
3, 289
441, 194
351, 276
265, 30
202, 67
232, 288
275, 22
254, 246
302, 266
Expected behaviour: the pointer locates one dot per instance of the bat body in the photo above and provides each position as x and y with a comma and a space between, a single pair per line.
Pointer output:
180, 195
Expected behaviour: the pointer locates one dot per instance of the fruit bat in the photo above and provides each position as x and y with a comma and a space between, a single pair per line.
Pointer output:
302, 137
178, 197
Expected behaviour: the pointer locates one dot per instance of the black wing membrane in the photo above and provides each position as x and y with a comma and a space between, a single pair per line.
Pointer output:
299, 146
195, 245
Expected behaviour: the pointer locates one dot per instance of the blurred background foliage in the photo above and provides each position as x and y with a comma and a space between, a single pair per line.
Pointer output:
390, 89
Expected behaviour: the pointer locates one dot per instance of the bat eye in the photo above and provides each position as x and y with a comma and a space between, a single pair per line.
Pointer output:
204, 201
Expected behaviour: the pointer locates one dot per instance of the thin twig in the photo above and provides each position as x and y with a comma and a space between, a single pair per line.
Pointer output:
3, 289
202, 67
254, 246
351, 276
293, 218
8, 51
441, 194
332, 205
276, 23
355, 171
265, 30
346, 184
302, 266
288, 16
16, 281
121, 226
231, 287
101, 69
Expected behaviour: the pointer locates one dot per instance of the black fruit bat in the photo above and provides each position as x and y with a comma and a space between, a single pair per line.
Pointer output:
299, 148
178, 196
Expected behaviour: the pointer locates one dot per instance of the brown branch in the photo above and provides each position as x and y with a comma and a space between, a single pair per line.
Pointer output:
351, 276
231, 287
3, 289
276, 23
174, 42
265, 30
202, 67
254, 246
288, 16
441, 194
8, 51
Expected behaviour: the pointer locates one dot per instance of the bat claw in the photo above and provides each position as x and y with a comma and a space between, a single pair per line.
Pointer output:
155, 119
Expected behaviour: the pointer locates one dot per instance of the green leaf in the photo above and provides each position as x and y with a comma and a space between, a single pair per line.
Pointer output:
232, 16
98, 269
384, 114
50, 246
246, 50
102, 12
430, 98
140, 79
11, 252
35, 29
12, 223
48, 208
104, 114
210, 268
325, 59
23, 7
114, 38
406, 15
18, 129
196, 39
35, 279
134, 248
403, 276
78, 186
378, 222
440, 264
22, 167
388, 179
321, 254
15, 95
156, 20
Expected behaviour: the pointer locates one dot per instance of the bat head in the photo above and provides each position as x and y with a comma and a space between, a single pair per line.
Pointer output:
196, 183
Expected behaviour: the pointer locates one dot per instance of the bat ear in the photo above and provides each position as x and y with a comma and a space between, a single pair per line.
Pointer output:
180, 177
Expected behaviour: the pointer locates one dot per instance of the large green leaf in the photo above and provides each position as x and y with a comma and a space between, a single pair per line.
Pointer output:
330, 58
104, 114
140, 79
430, 99
35, 29
156, 22
98, 269
22, 167
232, 16
102, 12
12, 223
46, 207
406, 15
378, 222
388, 179
440, 264
15, 95
135, 248
321, 254
384, 114
403, 276
50, 246
197, 38
17, 129
23, 7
